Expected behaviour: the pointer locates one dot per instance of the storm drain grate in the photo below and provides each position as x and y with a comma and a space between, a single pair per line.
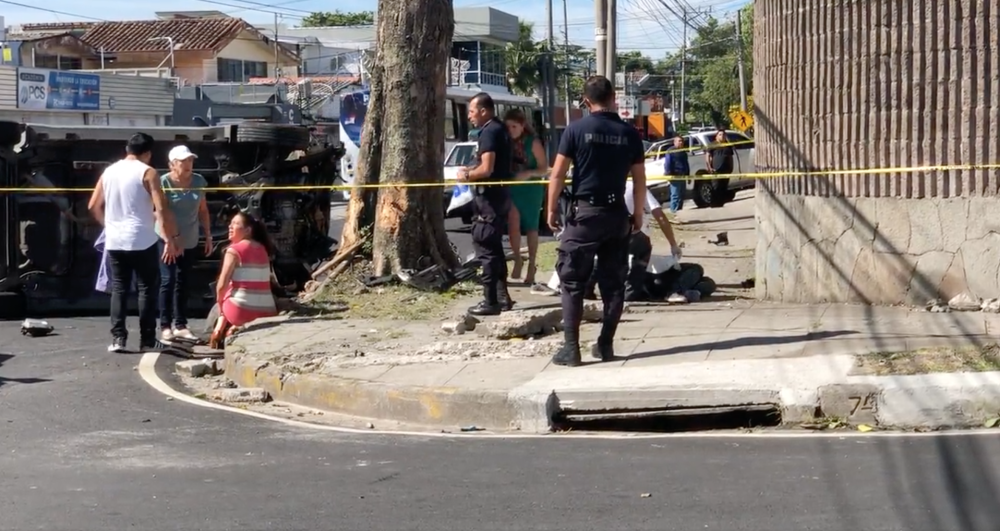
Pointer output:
674, 420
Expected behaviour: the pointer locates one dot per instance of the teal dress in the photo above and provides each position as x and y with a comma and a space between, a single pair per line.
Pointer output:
527, 198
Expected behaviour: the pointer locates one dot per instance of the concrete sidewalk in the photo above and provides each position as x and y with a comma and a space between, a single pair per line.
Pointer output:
798, 358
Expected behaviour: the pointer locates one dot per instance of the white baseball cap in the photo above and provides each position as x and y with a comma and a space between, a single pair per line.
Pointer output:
181, 153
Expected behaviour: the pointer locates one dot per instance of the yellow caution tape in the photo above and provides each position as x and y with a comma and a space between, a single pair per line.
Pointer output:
649, 179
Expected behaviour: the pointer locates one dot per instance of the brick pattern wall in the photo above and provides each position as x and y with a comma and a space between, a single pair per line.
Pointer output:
855, 84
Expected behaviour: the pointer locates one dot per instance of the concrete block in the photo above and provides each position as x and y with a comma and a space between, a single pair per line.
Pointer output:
199, 368
854, 403
243, 395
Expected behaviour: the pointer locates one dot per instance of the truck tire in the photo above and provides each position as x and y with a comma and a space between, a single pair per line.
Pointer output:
704, 192
291, 136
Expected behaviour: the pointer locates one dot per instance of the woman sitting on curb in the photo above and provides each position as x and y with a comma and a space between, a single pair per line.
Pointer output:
243, 291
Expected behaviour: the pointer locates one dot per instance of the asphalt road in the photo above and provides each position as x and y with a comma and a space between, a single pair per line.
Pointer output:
86, 444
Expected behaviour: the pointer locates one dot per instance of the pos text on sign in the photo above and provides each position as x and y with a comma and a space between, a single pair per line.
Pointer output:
41, 89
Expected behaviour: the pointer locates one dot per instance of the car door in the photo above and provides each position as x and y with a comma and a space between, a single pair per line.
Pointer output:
743, 147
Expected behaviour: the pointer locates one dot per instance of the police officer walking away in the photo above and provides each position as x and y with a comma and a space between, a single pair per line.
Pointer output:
604, 150
491, 204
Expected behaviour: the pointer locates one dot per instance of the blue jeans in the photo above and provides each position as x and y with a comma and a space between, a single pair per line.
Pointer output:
677, 189
174, 289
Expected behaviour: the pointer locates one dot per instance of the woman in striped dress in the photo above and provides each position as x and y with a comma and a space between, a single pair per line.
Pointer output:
243, 291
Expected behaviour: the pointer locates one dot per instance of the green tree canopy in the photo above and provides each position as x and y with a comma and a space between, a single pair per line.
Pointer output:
338, 18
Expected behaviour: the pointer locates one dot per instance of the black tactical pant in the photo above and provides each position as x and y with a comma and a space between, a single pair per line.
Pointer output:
601, 231
641, 250
488, 227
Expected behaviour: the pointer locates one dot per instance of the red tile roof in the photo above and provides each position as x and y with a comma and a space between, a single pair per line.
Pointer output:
201, 34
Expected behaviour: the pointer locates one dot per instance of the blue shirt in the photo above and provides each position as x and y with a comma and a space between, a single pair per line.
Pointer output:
184, 203
603, 149
677, 164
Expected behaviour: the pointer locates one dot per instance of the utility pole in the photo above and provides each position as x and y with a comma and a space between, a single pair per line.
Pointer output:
549, 91
684, 59
277, 71
566, 72
612, 43
601, 36
739, 59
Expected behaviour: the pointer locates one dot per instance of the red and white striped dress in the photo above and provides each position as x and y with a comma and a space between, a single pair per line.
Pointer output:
249, 295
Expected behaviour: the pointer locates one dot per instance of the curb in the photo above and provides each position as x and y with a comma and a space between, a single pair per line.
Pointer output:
428, 406
928, 401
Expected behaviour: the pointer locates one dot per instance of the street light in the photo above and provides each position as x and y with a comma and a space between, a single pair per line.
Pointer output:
170, 56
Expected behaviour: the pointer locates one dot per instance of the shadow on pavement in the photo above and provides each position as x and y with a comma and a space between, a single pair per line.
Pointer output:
4, 381
743, 342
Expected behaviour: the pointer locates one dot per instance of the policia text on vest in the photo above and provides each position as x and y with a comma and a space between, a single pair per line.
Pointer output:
603, 150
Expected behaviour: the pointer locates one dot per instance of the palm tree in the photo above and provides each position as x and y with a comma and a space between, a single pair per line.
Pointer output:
522, 58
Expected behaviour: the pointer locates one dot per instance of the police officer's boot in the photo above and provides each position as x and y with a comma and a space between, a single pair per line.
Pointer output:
489, 305
503, 297
569, 353
604, 349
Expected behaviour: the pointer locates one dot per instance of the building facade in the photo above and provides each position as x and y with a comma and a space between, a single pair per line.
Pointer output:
54, 97
887, 104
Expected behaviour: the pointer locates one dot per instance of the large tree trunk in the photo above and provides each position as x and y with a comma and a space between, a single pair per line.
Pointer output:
403, 138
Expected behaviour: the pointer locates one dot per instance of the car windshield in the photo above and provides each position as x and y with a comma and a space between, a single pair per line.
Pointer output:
461, 155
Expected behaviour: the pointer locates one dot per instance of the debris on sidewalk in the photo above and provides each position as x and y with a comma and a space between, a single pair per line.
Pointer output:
965, 302
533, 323
463, 324
200, 368
242, 396
36, 328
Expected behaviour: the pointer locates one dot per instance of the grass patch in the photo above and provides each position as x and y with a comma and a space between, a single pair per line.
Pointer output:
545, 259
393, 301
924, 361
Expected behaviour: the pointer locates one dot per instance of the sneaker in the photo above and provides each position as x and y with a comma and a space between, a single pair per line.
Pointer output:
183, 333
167, 334
117, 345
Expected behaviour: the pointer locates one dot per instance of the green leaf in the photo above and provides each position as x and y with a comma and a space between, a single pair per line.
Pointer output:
992, 423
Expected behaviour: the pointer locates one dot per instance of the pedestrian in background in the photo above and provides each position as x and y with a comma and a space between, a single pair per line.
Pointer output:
604, 150
530, 163
491, 204
719, 159
128, 201
678, 168
186, 200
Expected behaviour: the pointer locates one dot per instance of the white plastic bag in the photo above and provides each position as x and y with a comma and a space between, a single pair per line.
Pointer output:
461, 195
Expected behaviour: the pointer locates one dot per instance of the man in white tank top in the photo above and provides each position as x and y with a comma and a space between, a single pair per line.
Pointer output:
129, 201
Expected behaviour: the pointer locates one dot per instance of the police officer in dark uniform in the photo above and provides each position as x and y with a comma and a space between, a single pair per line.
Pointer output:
490, 204
604, 150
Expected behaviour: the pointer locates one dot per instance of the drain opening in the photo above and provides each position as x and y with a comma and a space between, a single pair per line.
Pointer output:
676, 420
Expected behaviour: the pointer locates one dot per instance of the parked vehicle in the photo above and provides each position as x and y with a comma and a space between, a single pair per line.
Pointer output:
705, 193
49, 237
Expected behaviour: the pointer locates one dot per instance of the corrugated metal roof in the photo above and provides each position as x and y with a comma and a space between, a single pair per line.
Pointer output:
143, 35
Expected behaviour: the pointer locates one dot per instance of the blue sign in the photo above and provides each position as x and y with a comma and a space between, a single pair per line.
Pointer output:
40, 89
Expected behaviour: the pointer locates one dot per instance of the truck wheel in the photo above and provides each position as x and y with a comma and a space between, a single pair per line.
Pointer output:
704, 193
290, 136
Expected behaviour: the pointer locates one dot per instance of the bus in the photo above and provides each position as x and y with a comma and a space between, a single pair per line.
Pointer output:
354, 106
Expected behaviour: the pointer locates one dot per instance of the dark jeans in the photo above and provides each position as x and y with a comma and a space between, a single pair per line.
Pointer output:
144, 265
641, 249
174, 289
487, 240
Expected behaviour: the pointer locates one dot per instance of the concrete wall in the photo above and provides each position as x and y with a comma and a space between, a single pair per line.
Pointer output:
854, 84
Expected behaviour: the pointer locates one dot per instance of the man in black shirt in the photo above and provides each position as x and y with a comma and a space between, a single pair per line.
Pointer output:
491, 203
604, 150
719, 159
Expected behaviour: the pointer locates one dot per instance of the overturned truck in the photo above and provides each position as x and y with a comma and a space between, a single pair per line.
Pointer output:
279, 173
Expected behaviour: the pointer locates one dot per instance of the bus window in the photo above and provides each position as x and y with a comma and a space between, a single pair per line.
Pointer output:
450, 124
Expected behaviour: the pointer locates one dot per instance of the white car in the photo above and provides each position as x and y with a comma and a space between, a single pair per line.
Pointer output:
705, 193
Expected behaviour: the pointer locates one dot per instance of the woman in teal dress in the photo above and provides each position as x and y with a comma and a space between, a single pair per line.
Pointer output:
526, 199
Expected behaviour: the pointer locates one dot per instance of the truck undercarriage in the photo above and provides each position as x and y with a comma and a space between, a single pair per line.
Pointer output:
49, 264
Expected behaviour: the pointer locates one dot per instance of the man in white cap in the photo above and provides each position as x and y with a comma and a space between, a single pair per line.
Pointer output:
185, 194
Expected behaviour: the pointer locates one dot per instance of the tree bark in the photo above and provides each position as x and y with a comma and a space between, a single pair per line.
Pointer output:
403, 138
